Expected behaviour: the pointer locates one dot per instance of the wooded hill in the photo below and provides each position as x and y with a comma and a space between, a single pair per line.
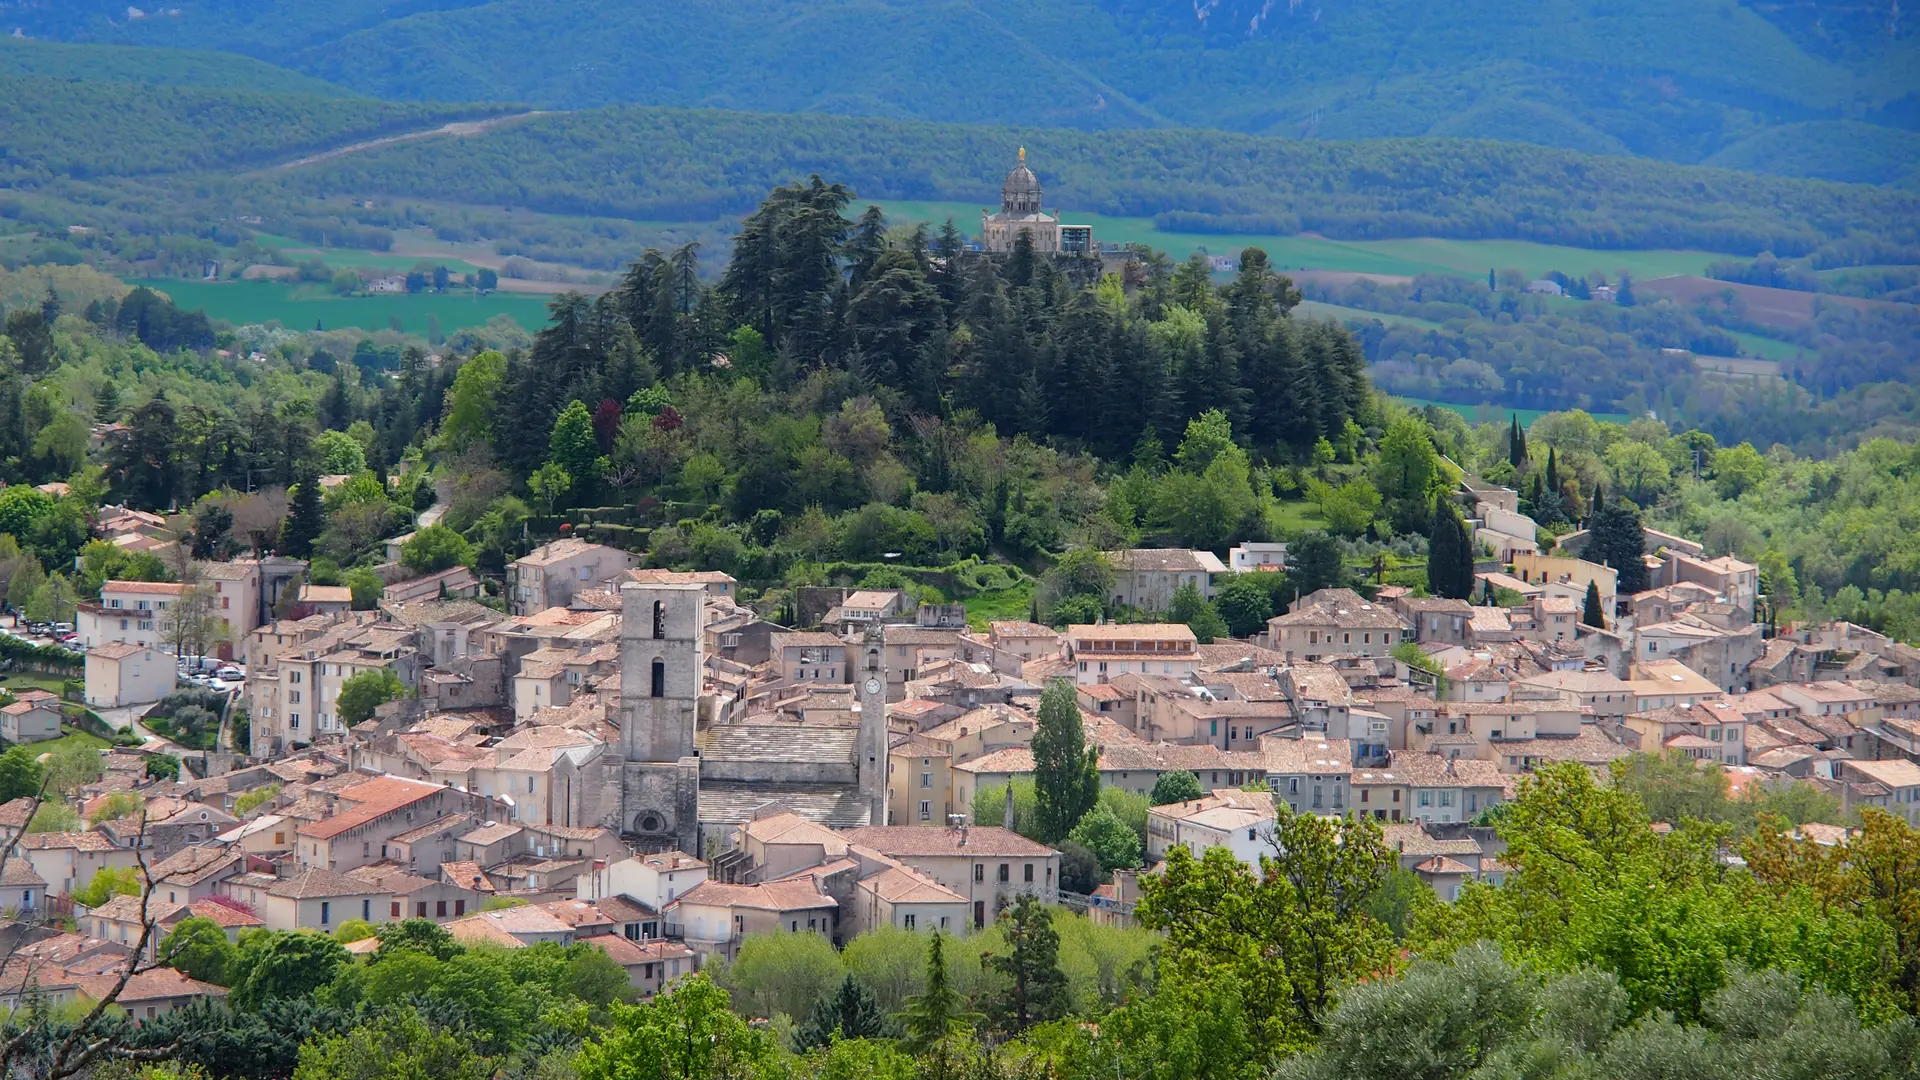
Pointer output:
1681, 81
655, 164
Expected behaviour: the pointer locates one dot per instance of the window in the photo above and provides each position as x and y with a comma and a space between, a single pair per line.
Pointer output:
1028, 873
440, 909
326, 912
1426, 798
659, 684
926, 779
459, 907
926, 810
659, 621
293, 721
529, 785
979, 872
1004, 876
123, 624
366, 910
1363, 794
943, 921
394, 911
420, 910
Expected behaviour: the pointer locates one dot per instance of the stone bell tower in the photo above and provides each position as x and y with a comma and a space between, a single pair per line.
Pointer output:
662, 667
870, 678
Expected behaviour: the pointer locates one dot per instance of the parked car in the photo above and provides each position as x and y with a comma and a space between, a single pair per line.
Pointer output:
230, 673
61, 628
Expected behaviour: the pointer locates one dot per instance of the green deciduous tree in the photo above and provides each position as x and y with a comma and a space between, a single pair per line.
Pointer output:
107, 883
1111, 840
1176, 786
1289, 939
687, 1033
198, 948
435, 548
396, 1044
1245, 604
1189, 607
276, 965
782, 974
361, 694
1066, 772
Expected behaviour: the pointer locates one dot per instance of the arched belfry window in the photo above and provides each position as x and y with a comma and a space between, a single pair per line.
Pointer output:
873, 659
659, 619
658, 687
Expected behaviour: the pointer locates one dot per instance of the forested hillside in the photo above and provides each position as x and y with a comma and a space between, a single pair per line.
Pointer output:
155, 67
1682, 81
644, 163
67, 129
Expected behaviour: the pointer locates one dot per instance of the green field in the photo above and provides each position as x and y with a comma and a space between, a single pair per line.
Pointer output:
1484, 414
1306, 252
357, 258
1314, 309
302, 307
1765, 348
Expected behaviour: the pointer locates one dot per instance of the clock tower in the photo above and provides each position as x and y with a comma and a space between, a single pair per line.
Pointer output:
870, 685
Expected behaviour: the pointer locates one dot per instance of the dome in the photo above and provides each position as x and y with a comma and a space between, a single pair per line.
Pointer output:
1020, 194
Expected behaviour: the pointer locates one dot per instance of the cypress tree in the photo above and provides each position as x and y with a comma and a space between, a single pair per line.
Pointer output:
306, 517
1553, 471
1516, 444
1618, 541
1592, 615
1449, 554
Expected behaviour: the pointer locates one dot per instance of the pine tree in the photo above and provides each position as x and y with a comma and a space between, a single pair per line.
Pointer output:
306, 517
1618, 541
1592, 615
1449, 554
938, 1011
1065, 770
1037, 990
851, 1013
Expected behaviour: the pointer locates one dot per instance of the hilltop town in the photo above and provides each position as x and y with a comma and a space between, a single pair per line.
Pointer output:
632, 759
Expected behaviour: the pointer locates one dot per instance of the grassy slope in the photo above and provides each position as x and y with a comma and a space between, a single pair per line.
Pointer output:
301, 307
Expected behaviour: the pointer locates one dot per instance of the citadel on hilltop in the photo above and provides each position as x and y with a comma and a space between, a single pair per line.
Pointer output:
1021, 210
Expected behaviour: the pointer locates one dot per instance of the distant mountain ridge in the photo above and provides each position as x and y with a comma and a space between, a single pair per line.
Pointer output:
1683, 80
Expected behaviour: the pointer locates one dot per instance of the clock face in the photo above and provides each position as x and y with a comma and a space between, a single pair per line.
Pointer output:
873, 686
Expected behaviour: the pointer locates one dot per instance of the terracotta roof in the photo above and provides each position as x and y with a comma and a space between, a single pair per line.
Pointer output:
315, 882
467, 874
629, 953
116, 650
907, 841
794, 894
153, 984
225, 915
1308, 754
905, 885
193, 865
1440, 864
490, 834
146, 588
373, 799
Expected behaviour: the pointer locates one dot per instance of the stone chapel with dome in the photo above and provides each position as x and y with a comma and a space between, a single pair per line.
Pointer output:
1021, 209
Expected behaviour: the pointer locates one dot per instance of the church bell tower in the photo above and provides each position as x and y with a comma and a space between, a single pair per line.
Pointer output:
662, 667
870, 674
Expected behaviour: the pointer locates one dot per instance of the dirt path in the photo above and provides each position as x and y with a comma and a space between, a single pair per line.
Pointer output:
459, 129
